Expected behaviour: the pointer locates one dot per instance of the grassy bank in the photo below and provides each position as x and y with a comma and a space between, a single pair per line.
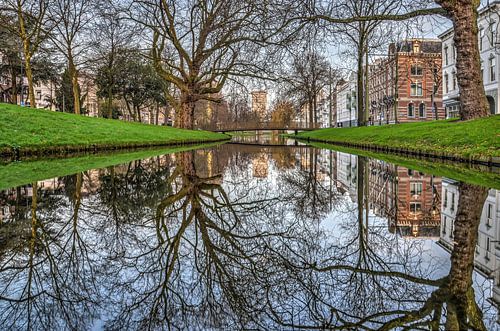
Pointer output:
14, 174
471, 140
35, 131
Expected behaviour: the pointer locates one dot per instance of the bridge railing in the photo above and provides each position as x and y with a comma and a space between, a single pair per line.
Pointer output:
242, 126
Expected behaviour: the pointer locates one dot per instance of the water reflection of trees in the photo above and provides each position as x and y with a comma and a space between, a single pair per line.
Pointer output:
48, 280
166, 243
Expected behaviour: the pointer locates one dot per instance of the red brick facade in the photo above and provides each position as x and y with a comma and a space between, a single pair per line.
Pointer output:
403, 86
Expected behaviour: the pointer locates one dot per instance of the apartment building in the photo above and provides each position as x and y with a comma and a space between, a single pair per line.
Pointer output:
346, 112
488, 38
406, 86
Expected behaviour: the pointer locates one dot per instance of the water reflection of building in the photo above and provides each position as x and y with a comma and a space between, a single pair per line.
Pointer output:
487, 255
260, 166
409, 199
347, 173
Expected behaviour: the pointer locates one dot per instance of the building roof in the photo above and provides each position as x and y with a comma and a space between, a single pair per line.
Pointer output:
426, 45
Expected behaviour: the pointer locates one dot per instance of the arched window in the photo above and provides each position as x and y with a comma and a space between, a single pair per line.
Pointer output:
411, 110
421, 110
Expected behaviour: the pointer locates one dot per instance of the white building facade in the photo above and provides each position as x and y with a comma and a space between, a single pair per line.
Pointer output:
347, 114
489, 47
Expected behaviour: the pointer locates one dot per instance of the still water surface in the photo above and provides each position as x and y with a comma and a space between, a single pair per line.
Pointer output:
250, 237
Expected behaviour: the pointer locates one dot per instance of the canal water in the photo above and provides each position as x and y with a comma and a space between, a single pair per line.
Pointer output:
273, 236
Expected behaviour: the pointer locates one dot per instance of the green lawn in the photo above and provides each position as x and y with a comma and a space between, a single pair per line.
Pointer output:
477, 139
34, 130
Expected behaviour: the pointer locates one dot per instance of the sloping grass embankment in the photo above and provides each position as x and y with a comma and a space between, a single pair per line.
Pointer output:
26, 131
472, 141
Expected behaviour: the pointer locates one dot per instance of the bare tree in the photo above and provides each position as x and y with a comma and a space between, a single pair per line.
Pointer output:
198, 45
113, 36
71, 18
31, 26
310, 74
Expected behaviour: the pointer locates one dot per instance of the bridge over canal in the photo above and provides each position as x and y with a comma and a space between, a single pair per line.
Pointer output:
261, 126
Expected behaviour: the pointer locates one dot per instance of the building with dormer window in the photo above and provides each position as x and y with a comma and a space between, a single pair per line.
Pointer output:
406, 85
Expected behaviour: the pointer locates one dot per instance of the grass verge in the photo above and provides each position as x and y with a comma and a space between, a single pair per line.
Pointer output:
35, 131
476, 140
20, 173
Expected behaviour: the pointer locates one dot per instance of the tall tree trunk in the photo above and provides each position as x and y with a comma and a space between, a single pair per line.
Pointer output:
436, 117
137, 111
315, 110
13, 94
27, 53
310, 106
73, 74
464, 15
157, 114
184, 115
360, 87
29, 76
109, 102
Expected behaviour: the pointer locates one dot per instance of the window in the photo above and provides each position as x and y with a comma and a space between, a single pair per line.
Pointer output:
445, 199
39, 95
416, 188
416, 47
410, 172
488, 244
416, 89
415, 207
493, 64
421, 110
481, 39
454, 80
491, 32
452, 207
411, 110
446, 83
445, 220
489, 211
446, 62
416, 70
482, 71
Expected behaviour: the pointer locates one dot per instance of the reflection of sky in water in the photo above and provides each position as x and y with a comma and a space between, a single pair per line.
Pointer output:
268, 240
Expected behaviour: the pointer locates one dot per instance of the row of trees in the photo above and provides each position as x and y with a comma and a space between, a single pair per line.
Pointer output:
199, 47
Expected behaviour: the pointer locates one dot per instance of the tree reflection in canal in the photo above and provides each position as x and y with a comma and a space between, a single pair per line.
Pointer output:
233, 237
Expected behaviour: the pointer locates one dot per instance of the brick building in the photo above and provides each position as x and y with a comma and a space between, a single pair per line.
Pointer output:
406, 86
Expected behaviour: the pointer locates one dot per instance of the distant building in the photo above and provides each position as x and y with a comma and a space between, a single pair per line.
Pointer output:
259, 104
406, 86
488, 23
346, 112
